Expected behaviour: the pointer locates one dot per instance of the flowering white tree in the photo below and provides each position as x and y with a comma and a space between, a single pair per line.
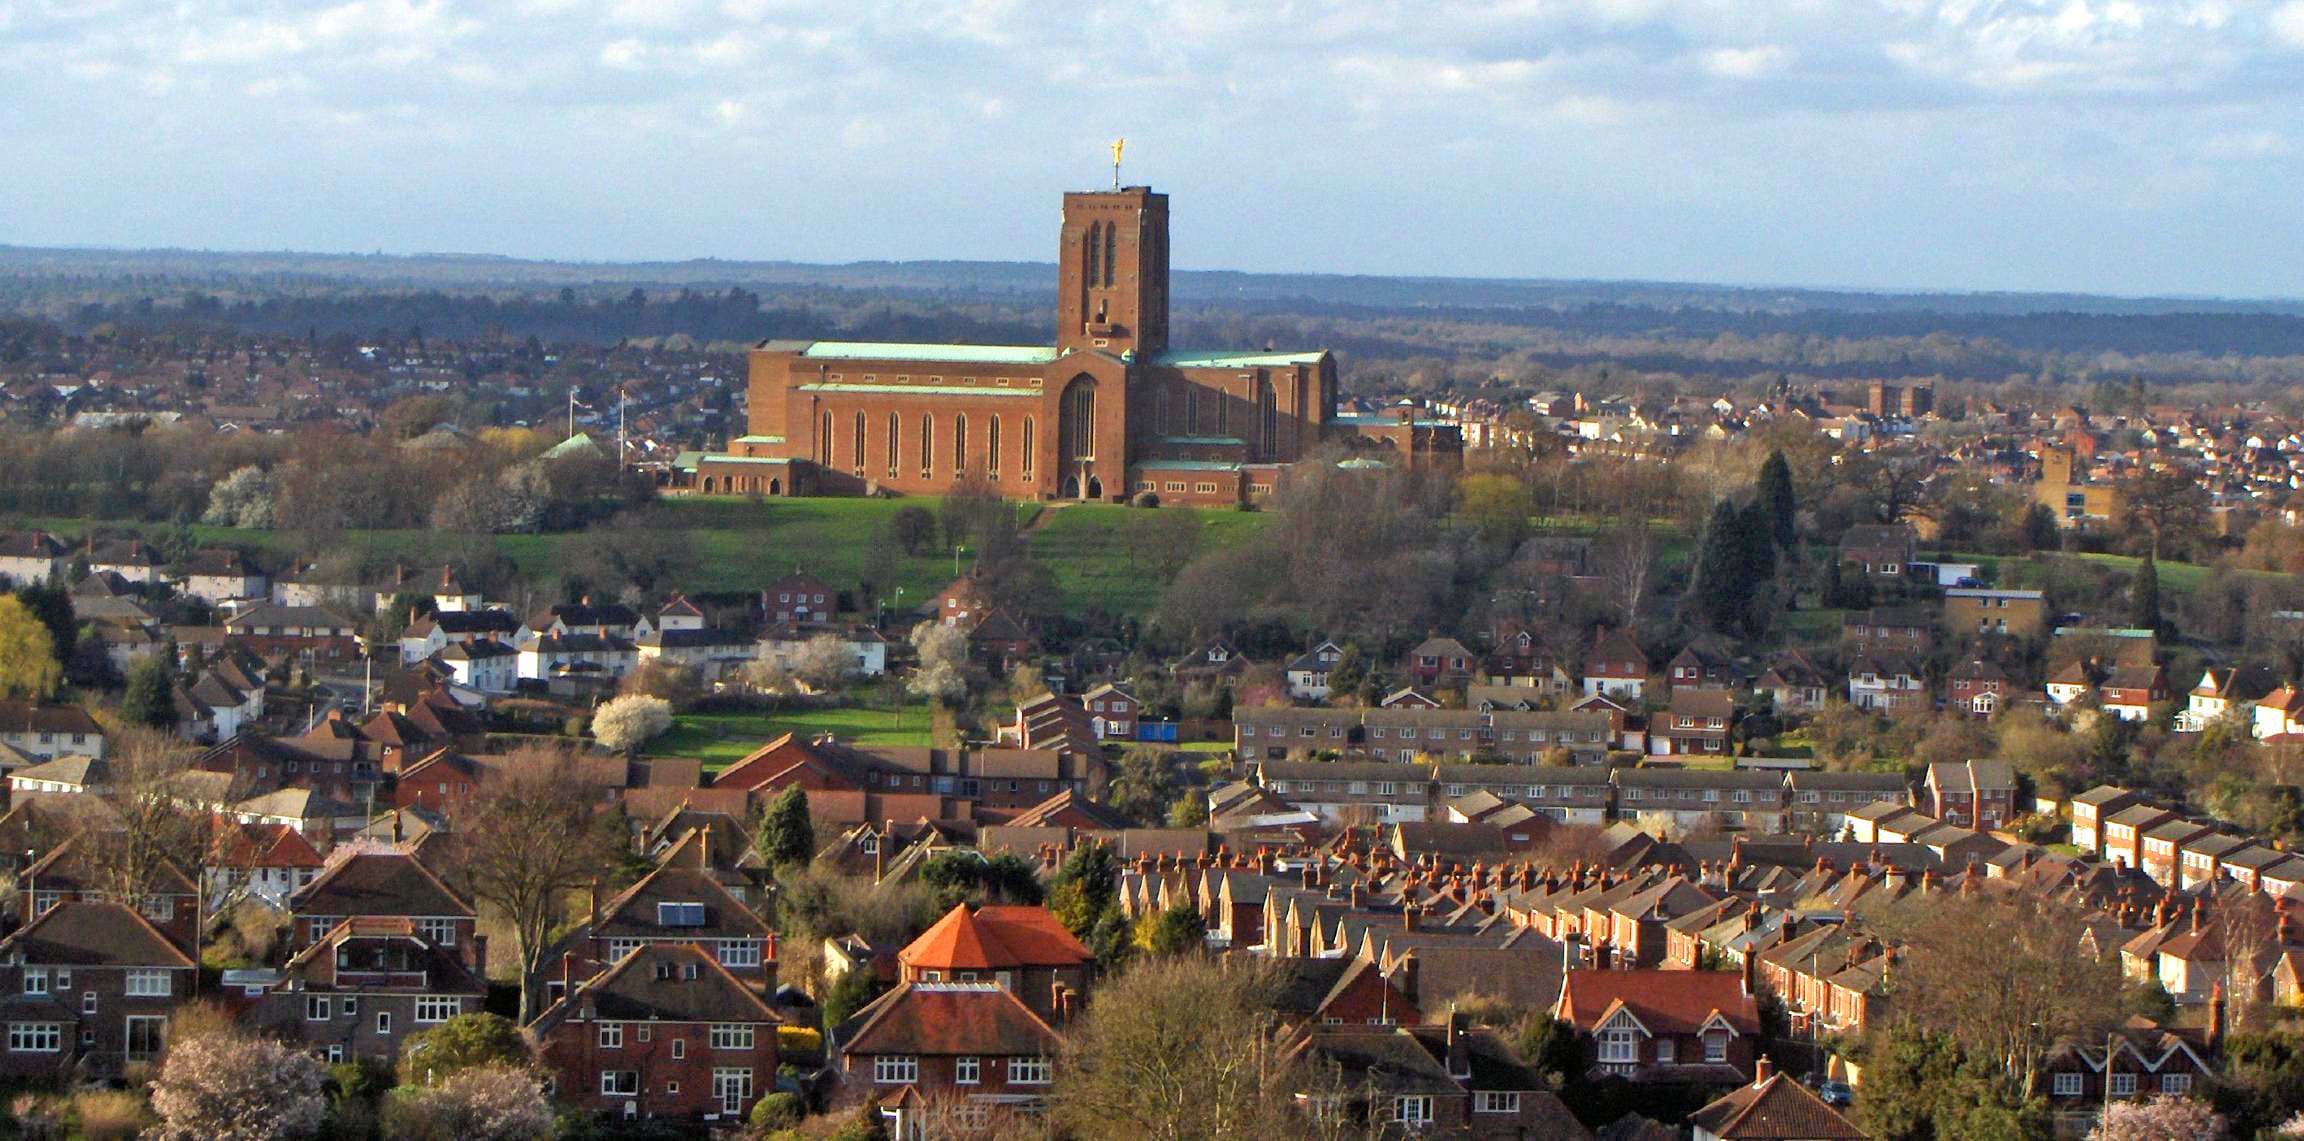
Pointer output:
245, 498
485, 1103
2160, 1119
628, 722
943, 652
226, 1087
824, 661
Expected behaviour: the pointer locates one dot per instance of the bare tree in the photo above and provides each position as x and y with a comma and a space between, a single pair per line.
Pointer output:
1175, 1049
537, 834
153, 827
2000, 972
1627, 557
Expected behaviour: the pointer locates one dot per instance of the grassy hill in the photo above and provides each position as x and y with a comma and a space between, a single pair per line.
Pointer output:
744, 544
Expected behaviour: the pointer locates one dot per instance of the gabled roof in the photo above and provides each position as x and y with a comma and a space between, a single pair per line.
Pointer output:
1665, 1002
652, 982
378, 883
1774, 1109
93, 934
995, 937
947, 1019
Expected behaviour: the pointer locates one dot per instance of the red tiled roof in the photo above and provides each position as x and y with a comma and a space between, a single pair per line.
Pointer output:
994, 938
947, 1019
1666, 1002
1773, 1110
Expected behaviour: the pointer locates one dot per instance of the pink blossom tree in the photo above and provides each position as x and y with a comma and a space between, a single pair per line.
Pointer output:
2160, 1119
227, 1087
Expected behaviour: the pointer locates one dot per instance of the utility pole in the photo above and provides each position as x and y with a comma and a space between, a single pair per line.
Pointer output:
621, 397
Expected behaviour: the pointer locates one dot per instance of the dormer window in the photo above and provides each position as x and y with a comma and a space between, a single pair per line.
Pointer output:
680, 915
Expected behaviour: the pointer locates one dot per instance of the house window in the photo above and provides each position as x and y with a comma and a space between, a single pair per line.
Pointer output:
1027, 1071
679, 1048
620, 1083
2123, 1085
680, 915
88, 1002
35, 1037
147, 1035
1667, 1051
438, 1009
439, 932
1496, 1101
318, 1009
731, 1036
1413, 1110
967, 1071
896, 1069
1715, 1047
384, 1022
743, 952
1619, 1046
36, 980
2067, 1085
2175, 1085
148, 984
611, 1035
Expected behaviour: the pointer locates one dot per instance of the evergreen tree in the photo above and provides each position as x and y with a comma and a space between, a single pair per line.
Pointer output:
1756, 566
786, 835
52, 605
2144, 596
1776, 495
1718, 593
151, 697
1348, 672
2040, 528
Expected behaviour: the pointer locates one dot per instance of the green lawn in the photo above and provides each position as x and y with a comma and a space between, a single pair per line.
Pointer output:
745, 544
720, 738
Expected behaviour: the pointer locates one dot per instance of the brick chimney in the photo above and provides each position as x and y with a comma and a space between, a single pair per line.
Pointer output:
1763, 1070
2216, 1009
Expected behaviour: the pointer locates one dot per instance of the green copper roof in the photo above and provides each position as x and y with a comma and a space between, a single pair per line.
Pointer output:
1203, 358
919, 389
951, 354
1187, 465
759, 439
719, 458
1205, 441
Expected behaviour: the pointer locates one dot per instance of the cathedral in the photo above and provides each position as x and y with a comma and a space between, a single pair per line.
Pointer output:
1107, 412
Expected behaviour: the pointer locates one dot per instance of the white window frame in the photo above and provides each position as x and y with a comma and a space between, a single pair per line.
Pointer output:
319, 1008
1028, 1071
967, 1071
145, 983
733, 1035
620, 1083
895, 1069
1412, 1109
2121, 1085
611, 1035
35, 1037
1496, 1101
431, 1009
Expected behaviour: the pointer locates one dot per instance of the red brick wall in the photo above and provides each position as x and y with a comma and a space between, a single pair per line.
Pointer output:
572, 1052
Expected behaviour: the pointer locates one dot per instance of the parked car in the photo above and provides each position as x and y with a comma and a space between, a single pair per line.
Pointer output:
1838, 1095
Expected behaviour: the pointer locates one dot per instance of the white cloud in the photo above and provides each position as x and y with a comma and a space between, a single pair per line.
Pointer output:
1746, 63
2245, 145
2287, 22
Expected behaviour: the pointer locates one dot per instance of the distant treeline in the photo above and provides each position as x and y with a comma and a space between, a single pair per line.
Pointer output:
1463, 332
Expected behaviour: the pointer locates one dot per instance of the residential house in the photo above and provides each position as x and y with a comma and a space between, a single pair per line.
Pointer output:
1665, 1025
1880, 551
1615, 668
223, 575
390, 885
1308, 671
1112, 712
1698, 722
1998, 613
1021, 949
2130, 692
1821, 800
2124, 830
1886, 684
1971, 794
1977, 688
1793, 683
800, 600
1773, 1107
86, 988
1444, 1079
1702, 664
28, 557
2221, 692
666, 1032
361, 989
1441, 662
964, 1049
1692, 798
45, 730
313, 633
2163, 843
1888, 630
2089, 810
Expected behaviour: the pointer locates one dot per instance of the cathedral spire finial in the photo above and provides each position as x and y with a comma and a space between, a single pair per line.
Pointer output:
1118, 145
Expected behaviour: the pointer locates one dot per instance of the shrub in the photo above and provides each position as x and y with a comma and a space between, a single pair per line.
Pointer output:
225, 1087
777, 1111
484, 1103
1147, 499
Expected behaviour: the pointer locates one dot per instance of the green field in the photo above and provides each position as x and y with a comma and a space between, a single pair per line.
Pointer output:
746, 544
720, 738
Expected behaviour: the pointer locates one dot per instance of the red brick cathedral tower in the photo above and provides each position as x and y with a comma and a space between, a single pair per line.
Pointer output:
1112, 276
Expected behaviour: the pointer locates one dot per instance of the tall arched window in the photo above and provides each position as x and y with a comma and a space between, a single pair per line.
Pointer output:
1095, 252
856, 459
1223, 417
1191, 409
1160, 421
992, 448
895, 439
1077, 423
824, 441
1267, 421
927, 444
1026, 463
1111, 238
959, 443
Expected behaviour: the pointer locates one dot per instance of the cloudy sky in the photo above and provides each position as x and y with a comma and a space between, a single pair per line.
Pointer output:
2129, 146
